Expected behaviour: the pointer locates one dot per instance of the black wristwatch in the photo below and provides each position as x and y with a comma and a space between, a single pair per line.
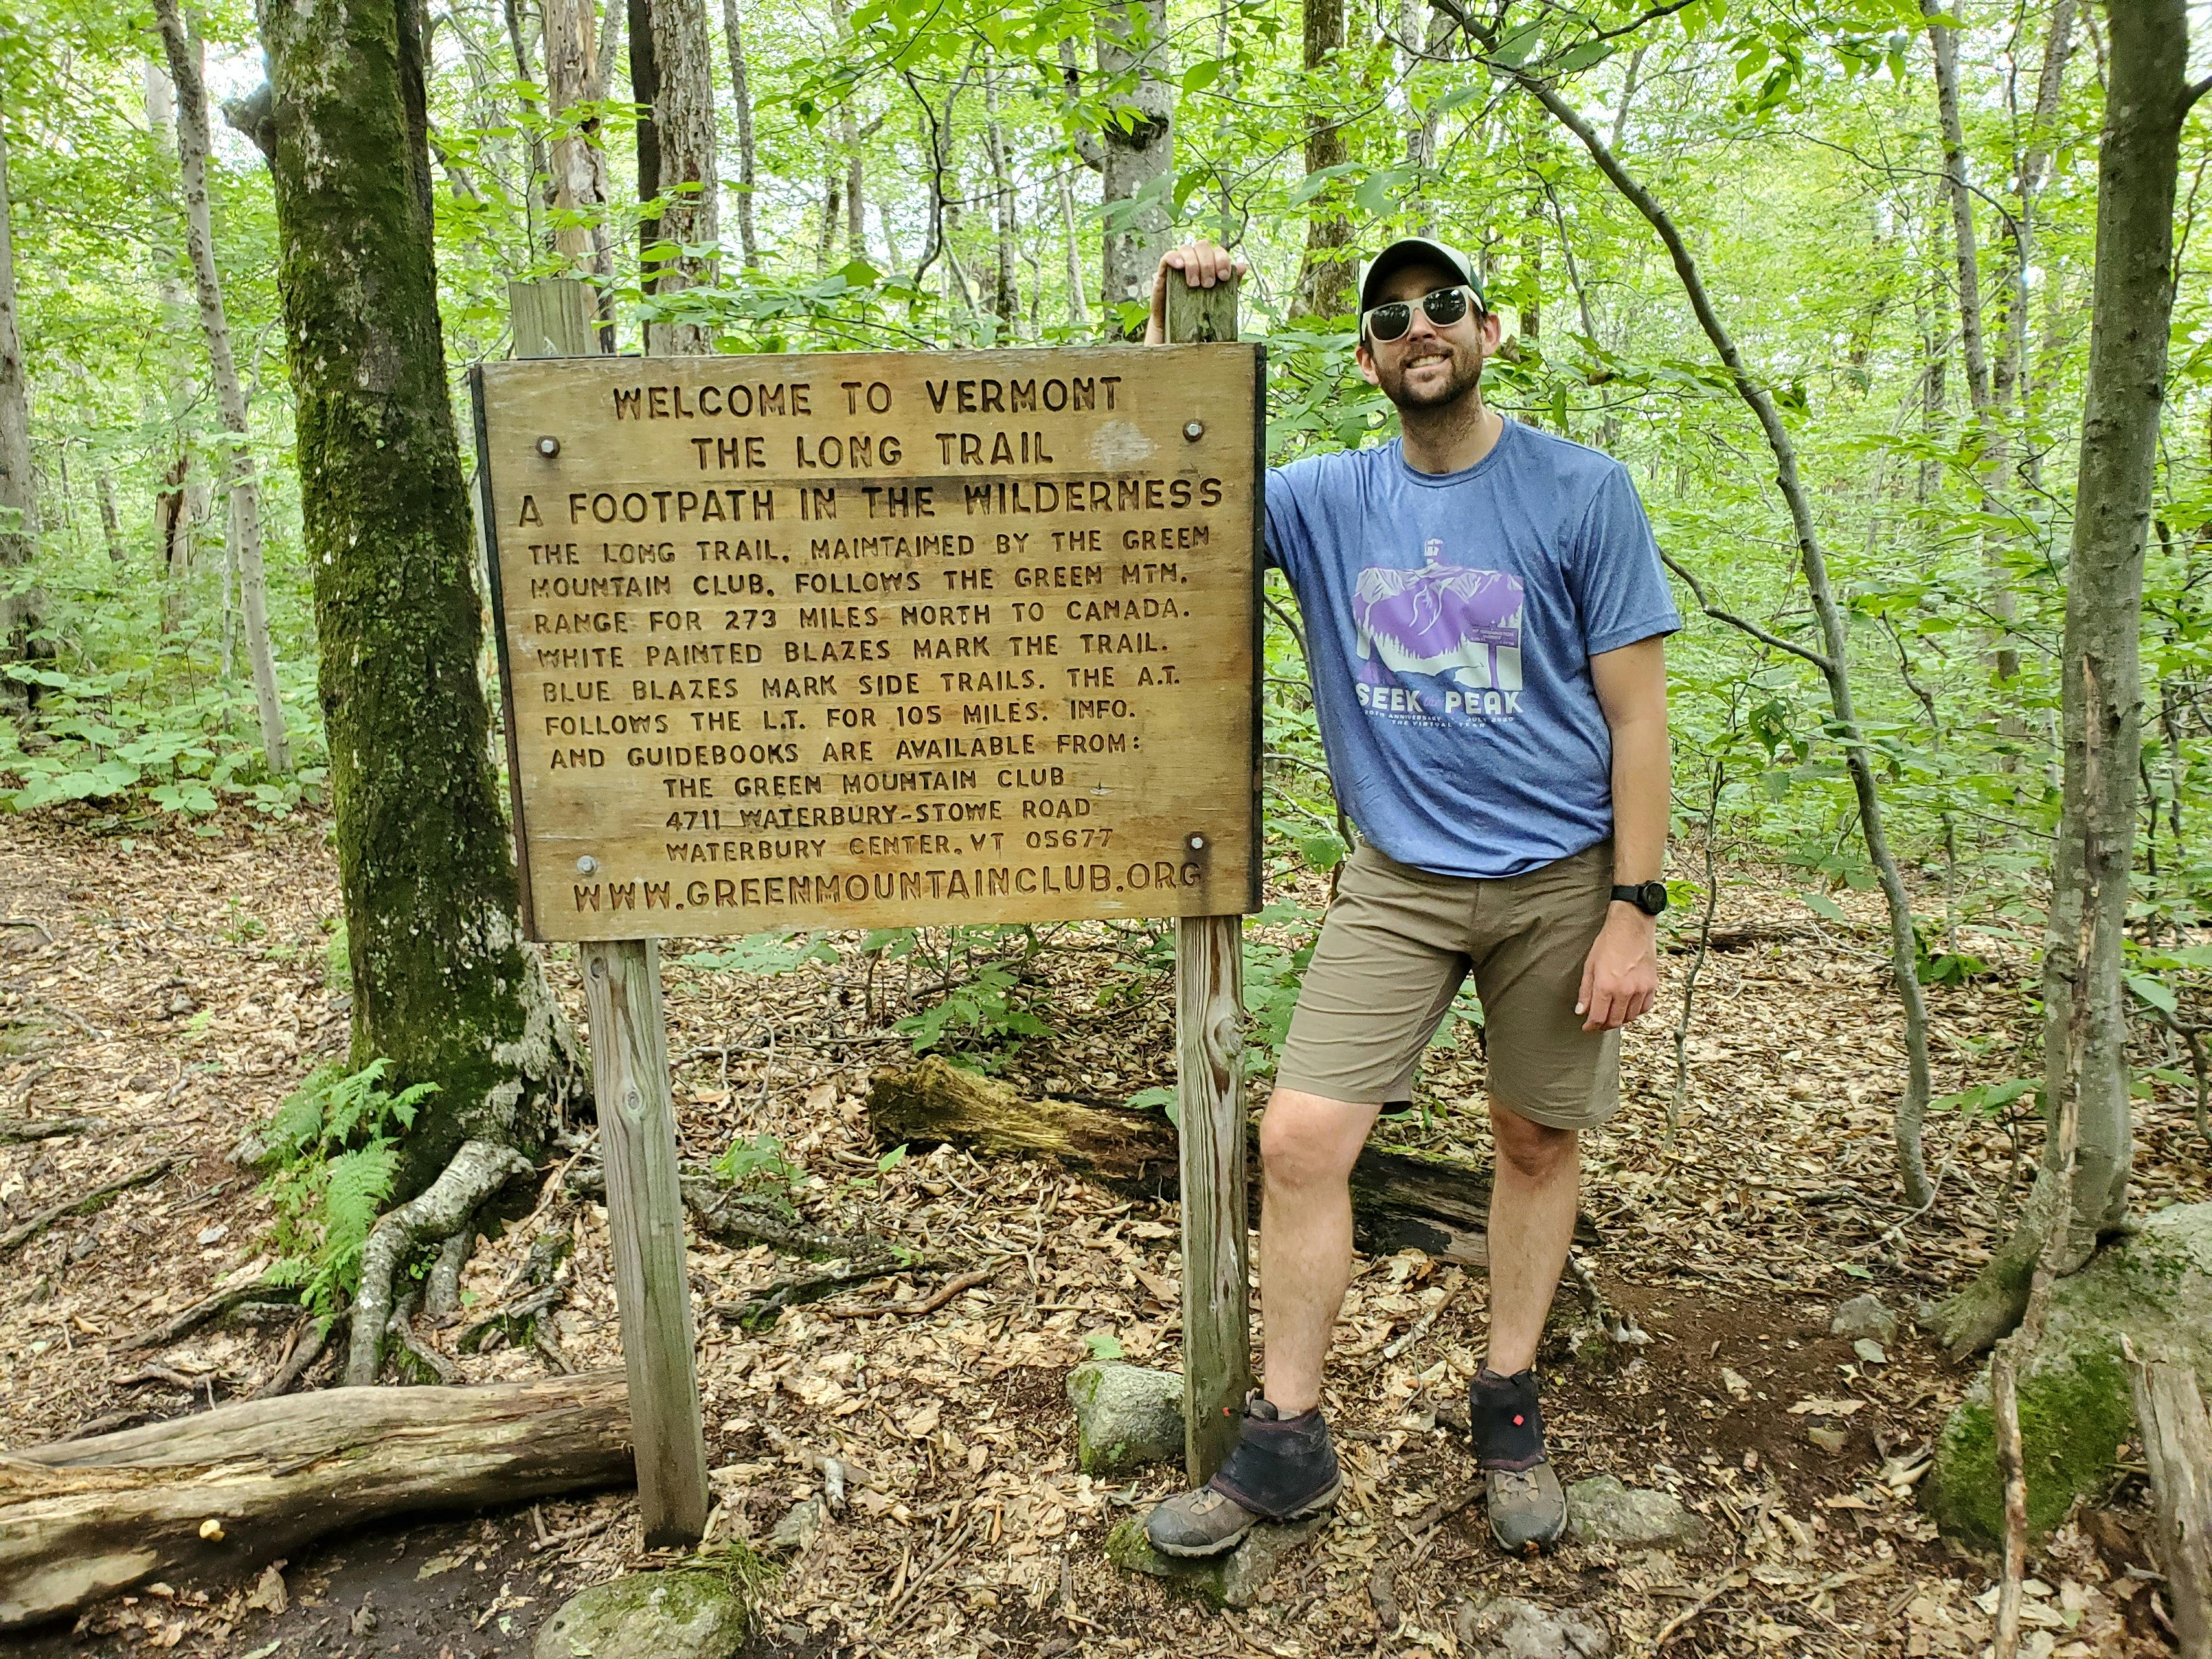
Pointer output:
1649, 896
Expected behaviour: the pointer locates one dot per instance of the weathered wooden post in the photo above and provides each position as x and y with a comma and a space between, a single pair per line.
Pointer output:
637, 1113
1217, 1330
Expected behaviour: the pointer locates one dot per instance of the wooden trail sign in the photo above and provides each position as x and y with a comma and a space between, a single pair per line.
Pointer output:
862, 640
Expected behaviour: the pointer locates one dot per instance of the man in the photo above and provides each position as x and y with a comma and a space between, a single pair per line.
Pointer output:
1486, 615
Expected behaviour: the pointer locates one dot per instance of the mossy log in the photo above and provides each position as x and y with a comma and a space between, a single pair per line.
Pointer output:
1399, 1198
251, 1480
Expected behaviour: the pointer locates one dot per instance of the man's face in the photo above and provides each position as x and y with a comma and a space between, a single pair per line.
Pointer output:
1428, 367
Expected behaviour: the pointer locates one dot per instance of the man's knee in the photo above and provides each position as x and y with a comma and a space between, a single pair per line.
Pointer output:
1305, 1140
1535, 1151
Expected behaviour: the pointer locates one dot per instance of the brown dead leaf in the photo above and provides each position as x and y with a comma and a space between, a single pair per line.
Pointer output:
268, 1594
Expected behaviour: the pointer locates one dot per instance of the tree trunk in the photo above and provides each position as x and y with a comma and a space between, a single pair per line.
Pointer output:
1079, 308
84, 1519
849, 139
173, 530
1399, 1199
576, 71
2085, 1048
19, 500
683, 127
2010, 387
741, 96
444, 985
2177, 1439
103, 481
1988, 463
171, 518
1833, 661
645, 92
1325, 283
1005, 297
184, 54
539, 190
1138, 158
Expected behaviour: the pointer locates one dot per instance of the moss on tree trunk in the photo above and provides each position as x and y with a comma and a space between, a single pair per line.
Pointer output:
443, 983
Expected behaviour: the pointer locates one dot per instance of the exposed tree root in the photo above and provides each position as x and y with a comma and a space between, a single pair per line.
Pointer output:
45, 1128
254, 1290
723, 1213
813, 1287
305, 1351
85, 1203
441, 1291
479, 1169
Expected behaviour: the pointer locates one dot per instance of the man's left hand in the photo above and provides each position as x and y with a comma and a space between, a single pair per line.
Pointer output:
1621, 974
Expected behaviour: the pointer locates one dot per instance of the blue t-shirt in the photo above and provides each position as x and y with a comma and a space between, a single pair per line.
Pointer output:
1451, 618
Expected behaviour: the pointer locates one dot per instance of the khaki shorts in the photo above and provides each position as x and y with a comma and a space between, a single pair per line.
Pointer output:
1396, 944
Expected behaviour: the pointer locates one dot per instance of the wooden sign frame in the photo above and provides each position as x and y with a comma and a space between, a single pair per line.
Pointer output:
928, 805
636, 1107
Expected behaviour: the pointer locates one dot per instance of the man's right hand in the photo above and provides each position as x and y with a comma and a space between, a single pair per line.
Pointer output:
1203, 264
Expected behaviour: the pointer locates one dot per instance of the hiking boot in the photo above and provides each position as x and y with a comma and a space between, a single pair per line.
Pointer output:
1282, 1468
1527, 1508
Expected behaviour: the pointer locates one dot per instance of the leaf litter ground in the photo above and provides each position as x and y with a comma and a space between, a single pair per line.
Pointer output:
174, 989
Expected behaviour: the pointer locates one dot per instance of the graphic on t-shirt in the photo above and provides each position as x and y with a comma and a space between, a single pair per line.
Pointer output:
1450, 620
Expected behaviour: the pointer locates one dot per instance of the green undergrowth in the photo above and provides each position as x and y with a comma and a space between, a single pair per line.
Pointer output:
331, 1154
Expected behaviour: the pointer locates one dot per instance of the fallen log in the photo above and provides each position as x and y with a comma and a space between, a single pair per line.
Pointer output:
239, 1484
1400, 1198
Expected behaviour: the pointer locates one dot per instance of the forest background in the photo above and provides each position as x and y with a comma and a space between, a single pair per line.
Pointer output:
1894, 216
1821, 276
1887, 213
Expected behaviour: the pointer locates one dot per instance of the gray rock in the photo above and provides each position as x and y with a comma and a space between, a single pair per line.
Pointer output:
1510, 1628
1863, 1315
1126, 1416
1232, 1580
800, 1526
2077, 1402
647, 1616
1600, 1510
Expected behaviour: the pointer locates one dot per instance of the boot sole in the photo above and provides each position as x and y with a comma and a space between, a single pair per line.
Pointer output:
1198, 1552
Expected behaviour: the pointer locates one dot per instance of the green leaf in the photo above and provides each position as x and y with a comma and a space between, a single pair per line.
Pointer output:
2155, 991
1821, 905
1102, 1346
1575, 59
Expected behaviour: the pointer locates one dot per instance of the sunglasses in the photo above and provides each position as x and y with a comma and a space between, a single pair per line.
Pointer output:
1447, 306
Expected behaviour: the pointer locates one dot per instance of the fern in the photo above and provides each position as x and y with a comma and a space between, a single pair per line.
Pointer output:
333, 1153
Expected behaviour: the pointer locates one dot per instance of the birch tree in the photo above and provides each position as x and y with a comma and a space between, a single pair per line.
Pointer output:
1137, 146
182, 51
741, 98
18, 503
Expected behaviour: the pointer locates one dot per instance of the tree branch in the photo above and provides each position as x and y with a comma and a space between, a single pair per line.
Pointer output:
1698, 592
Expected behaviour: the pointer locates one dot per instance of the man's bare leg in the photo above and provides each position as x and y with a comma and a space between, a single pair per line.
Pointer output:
1307, 1146
1532, 1223
1284, 1466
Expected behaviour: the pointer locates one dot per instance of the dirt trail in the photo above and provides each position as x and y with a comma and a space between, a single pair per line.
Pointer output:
175, 987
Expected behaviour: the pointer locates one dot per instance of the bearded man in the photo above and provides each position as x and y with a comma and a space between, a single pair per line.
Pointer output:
1486, 615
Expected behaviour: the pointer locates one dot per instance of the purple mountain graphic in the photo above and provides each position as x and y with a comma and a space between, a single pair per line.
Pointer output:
1442, 619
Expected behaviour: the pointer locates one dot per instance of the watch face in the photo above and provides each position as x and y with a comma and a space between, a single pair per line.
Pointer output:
1654, 898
